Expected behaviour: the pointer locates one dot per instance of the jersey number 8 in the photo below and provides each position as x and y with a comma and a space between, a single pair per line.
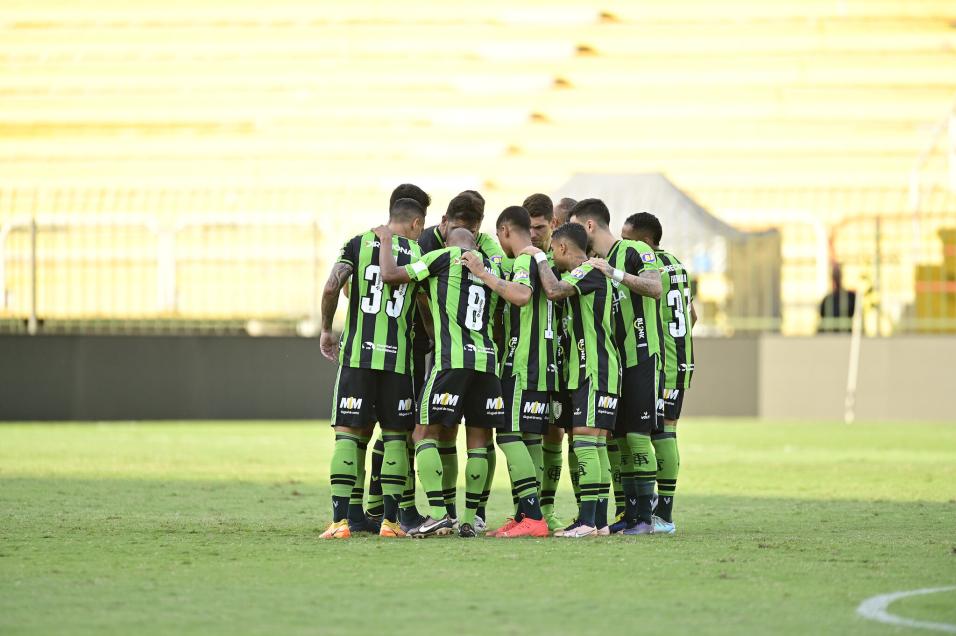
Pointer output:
476, 308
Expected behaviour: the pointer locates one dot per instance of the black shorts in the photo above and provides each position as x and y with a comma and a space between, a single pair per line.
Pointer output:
561, 409
593, 409
525, 411
672, 401
451, 393
365, 396
638, 400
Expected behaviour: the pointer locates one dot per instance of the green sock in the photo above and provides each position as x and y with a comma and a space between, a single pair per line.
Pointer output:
394, 473
342, 473
614, 457
521, 471
476, 473
574, 469
553, 460
589, 477
430, 474
668, 466
645, 472
628, 481
356, 500
600, 517
449, 480
486, 492
535, 445
375, 505
406, 508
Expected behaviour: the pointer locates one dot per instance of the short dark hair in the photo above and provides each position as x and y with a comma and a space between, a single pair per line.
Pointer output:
515, 216
566, 203
573, 232
593, 209
410, 191
477, 196
464, 208
406, 210
645, 222
539, 205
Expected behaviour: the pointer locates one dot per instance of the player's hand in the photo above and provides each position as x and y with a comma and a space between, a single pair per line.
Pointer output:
531, 250
384, 233
473, 262
329, 344
601, 265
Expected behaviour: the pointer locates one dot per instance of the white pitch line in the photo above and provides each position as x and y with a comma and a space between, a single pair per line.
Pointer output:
874, 608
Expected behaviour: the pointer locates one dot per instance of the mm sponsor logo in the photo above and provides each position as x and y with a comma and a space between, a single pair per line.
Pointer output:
405, 406
445, 399
607, 402
350, 403
495, 404
536, 408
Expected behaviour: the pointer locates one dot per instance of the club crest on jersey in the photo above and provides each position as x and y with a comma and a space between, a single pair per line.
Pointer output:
648, 257
578, 273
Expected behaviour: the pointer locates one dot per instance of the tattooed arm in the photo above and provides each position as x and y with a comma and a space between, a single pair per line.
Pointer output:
515, 293
328, 342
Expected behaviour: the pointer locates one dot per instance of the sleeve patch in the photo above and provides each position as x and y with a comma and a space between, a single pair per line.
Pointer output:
496, 259
521, 275
648, 257
578, 273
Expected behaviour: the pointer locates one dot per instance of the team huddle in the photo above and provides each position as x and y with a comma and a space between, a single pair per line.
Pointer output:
556, 331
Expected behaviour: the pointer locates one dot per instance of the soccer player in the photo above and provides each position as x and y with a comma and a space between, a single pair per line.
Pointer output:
593, 371
466, 210
463, 380
546, 450
374, 382
678, 316
633, 265
528, 371
407, 512
562, 210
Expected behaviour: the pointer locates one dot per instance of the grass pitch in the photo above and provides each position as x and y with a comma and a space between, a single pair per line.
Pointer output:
211, 528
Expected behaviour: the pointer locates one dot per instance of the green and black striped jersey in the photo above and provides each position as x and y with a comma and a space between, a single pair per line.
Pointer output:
530, 332
638, 319
678, 349
590, 320
378, 325
462, 308
431, 240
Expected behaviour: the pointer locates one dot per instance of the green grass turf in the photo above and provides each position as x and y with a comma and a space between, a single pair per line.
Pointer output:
209, 528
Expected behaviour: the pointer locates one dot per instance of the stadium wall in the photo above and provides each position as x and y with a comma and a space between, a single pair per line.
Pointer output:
159, 377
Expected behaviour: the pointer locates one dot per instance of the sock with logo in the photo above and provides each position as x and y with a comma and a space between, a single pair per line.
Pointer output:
668, 465
575, 471
342, 473
645, 472
614, 457
521, 471
356, 501
486, 492
374, 502
476, 473
535, 445
430, 474
628, 483
600, 516
589, 477
449, 480
553, 461
394, 473
407, 511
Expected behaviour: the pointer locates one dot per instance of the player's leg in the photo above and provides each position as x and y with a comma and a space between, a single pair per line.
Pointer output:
408, 514
614, 459
535, 445
553, 458
440, 408
352, 414
358, 522
396, 415
448, 449
639, 419
526, 414
374, 505
481, 515
593, 414
600, 516
668, 460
